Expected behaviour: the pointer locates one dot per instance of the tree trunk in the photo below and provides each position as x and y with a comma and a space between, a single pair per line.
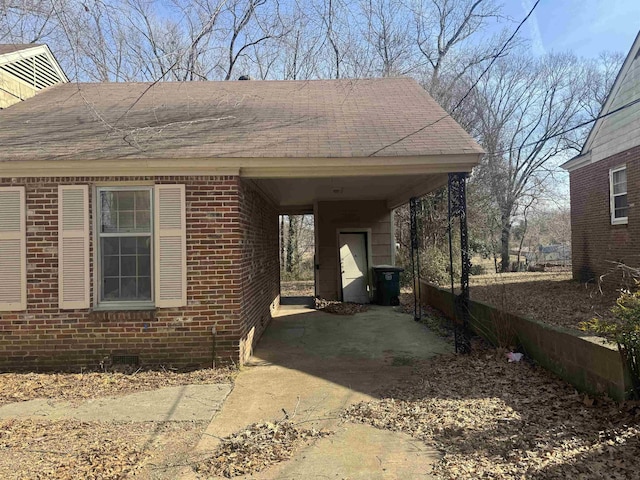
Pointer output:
282, 258
290, 243
504, 243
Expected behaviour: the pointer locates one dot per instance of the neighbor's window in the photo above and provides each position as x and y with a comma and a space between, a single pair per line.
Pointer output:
618, 186
124, 247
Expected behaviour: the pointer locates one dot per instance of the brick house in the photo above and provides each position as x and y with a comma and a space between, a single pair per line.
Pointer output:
605, 181
141, 220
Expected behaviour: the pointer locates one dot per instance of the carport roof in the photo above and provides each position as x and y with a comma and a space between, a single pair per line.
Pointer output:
391, 117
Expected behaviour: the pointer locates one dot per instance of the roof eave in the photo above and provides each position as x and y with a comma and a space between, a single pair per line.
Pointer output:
254, 167
577, 162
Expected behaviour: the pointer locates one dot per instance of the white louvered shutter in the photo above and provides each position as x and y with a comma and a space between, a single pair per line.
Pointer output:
170, 246
73, 246
13, 263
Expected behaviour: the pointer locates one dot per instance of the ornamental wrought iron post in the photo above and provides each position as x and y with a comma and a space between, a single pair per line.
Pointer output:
458, 209
415, 258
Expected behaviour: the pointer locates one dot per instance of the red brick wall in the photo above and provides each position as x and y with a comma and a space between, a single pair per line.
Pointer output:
260, 265
45, 337
595, 242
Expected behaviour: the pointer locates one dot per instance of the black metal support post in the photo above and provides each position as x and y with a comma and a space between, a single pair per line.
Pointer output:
415, 258
458, 209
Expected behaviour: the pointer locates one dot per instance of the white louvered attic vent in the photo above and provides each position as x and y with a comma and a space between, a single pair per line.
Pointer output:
36, 70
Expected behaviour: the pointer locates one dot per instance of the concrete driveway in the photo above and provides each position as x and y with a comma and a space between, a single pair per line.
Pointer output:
312, 365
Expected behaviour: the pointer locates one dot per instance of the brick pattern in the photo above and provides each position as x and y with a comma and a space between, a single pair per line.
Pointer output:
595, 242
260, 265
231, 277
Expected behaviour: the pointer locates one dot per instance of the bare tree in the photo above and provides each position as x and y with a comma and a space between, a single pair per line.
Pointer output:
387, 32
525, 107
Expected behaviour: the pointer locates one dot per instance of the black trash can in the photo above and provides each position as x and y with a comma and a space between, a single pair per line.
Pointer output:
387, 278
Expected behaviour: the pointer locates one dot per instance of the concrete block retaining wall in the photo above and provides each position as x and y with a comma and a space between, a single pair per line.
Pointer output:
584, 361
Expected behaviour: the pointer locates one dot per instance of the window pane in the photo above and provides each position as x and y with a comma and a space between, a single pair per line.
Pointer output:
126, 200
109, 210
110, 246
111, 265
620, 188
128, 245
620, 206
144, 288
143, 202
144, 265
111, 288
144, 245
125, 211
620, 201
143, 220
128, 289
125, 221
620, 181
128, 266
621, 213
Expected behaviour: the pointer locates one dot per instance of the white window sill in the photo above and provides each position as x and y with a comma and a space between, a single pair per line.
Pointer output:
620, 221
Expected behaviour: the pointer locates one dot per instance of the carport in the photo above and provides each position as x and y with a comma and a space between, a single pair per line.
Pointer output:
367, 149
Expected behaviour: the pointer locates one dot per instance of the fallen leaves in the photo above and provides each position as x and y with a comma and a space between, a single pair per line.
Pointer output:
17, 387
71, 449
257, 447
552, 298
65, 449
340, 308
494, 419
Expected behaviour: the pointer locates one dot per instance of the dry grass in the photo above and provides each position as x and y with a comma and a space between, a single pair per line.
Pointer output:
299, 288
493, 419
552, 298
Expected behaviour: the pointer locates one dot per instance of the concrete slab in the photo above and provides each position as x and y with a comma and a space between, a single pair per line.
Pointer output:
180, 403
311, 365
374, 334
379, 455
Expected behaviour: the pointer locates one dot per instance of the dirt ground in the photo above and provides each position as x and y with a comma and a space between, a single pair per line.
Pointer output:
500, 420
38, 448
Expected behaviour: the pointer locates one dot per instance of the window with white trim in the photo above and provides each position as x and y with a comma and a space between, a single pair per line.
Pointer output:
124, 246
618, 195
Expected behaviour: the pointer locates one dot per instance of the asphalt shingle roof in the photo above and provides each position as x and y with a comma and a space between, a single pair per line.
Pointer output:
243, 119
16, 47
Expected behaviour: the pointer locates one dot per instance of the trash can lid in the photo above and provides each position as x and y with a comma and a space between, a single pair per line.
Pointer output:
387, 268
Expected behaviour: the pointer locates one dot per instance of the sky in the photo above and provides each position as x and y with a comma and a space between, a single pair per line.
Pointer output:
584, 27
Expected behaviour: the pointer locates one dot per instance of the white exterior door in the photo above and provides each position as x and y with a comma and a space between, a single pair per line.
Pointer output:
354, 267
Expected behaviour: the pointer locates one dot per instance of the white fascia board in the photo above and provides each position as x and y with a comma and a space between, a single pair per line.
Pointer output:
577, 162
246, 167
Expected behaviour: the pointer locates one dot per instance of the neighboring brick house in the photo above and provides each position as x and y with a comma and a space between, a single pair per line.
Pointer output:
605, 182
140, 221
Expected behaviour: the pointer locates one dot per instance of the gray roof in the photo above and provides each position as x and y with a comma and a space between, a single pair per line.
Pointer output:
242, 119
16, 47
